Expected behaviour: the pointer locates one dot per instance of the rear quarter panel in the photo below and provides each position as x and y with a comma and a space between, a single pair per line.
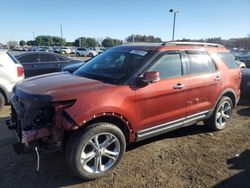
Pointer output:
231, 78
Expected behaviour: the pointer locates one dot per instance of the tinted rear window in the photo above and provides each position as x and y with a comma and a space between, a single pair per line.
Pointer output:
228, 59
29, 58
47, 58
61, 58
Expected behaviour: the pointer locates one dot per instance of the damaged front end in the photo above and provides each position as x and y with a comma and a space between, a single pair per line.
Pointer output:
39, 122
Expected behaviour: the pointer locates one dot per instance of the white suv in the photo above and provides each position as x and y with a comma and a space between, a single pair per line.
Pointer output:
11, 72
65, 50
85, 52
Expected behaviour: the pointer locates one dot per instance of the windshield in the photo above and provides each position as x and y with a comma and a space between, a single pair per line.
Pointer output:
113, 66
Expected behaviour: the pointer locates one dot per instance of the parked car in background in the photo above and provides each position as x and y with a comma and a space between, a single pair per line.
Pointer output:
124, 95
56, 49
19, 48
65, 50
101, 50
245, 59
42, 49
86, 52
36, 63
11, 72
245, 82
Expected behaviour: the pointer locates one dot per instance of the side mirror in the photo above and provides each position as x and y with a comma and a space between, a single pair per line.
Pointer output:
151, 77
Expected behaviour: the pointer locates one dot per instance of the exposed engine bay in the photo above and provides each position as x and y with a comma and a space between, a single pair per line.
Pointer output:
38, 121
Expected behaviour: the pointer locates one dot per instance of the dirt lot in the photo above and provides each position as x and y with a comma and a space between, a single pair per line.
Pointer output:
190, 157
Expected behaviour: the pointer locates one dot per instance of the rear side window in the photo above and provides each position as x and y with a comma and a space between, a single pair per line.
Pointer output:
60, 58
228, 59
30, 58
168, 66
47, 58
200, 63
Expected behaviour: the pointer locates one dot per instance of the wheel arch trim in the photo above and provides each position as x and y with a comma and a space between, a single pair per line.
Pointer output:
108, 116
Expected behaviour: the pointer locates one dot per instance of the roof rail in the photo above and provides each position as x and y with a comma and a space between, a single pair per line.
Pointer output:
142, 44
193, 44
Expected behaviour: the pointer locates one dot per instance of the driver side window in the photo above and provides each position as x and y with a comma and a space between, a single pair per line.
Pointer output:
169, 66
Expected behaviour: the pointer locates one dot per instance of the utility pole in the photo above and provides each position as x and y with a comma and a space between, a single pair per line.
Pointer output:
61, 30
175, 12
34, 38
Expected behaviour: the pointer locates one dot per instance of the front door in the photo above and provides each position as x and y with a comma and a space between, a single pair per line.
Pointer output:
163, 102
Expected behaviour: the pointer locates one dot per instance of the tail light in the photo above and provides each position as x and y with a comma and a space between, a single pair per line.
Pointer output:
19, 71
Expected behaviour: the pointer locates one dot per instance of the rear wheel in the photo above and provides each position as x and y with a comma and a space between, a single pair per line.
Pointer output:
2, 101
221, 115
77, 54
91, 55
94, 152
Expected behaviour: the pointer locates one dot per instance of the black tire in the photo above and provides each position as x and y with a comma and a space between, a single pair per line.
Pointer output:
215, 122
91, 55
2, 101
79, 142
77, 54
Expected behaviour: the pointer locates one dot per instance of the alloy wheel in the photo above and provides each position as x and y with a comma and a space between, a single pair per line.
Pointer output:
223, 114
100, 153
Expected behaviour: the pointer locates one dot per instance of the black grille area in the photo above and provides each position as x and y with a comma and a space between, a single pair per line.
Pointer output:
30, 114
14, 118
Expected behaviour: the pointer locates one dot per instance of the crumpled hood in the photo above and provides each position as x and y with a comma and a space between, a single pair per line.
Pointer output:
60, 85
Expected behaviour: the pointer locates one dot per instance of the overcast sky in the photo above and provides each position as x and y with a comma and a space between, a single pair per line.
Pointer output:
19, 19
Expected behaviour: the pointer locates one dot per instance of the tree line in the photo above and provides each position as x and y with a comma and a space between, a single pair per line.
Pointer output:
45, 40
239, 43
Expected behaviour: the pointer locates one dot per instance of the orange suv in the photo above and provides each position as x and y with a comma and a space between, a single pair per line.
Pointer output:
126, 94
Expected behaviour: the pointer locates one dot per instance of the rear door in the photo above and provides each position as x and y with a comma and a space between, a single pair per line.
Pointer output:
204, 82
62, 61
48, 63
164, 101
30, 63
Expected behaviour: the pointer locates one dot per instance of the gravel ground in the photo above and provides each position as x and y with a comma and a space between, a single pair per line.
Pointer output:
189, 157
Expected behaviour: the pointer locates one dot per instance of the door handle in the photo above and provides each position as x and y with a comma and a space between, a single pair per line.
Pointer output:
217, 78
178, 86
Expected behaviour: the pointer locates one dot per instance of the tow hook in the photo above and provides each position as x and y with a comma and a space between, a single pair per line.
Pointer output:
37, 159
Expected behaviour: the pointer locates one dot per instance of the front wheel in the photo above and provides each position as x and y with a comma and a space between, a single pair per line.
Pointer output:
221, 115
94, 152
